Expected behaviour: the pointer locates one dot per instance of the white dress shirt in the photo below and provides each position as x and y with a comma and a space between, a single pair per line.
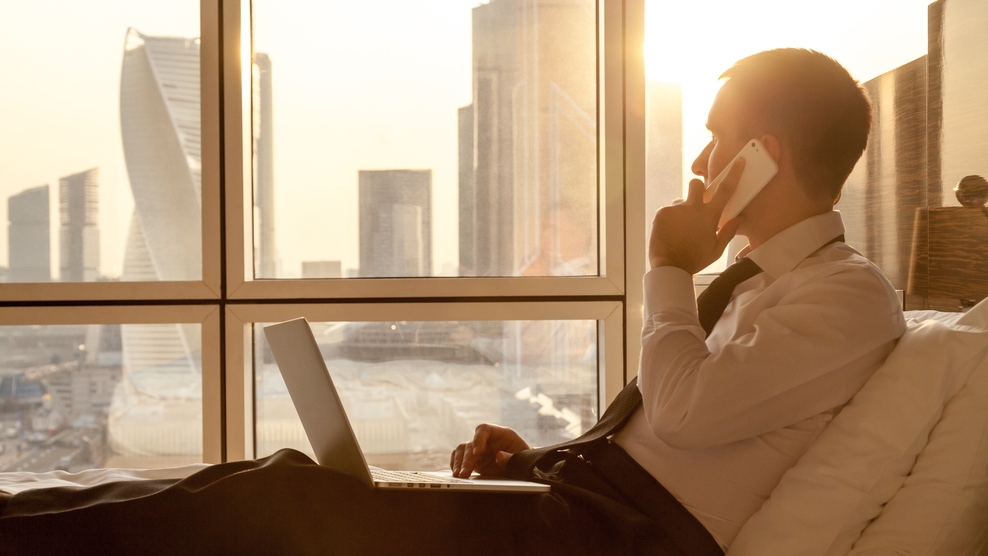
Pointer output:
724, 417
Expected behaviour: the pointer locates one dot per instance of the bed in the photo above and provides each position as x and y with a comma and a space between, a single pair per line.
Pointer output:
903, 469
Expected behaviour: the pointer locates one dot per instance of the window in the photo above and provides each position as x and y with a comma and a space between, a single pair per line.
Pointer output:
102, 142
172, 185
455, 171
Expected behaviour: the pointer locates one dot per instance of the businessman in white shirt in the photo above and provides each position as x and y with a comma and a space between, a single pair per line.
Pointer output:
733, 387
726, 411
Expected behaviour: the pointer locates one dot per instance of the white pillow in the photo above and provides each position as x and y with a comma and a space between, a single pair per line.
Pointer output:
821, 505
942, 509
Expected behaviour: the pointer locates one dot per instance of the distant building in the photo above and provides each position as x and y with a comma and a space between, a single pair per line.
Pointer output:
322, 269
161, 132
160, 125
395, 223
528, 141
88, 390
265, 257
78, 202
18, 392
468, 214
29, 238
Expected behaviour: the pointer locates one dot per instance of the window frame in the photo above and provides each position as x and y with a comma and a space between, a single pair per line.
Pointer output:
227, 300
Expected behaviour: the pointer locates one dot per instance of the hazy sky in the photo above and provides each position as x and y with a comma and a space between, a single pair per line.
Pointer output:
869, 37
60, 102
363, 85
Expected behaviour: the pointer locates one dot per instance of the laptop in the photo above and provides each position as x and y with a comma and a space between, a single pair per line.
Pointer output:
328, 429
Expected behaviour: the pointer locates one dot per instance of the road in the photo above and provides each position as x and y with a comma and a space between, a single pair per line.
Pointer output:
43, 457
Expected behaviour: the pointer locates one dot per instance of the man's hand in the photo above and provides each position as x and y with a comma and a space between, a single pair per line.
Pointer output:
685, 234
488, 453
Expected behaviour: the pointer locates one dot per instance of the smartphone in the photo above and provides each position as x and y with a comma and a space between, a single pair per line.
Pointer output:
759, 169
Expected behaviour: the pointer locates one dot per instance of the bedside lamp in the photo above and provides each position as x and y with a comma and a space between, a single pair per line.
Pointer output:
950, 247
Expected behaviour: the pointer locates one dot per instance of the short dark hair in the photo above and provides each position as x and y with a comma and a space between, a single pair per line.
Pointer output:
812, 104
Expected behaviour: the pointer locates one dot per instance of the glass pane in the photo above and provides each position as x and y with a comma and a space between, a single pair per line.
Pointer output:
873, 39
425, 138
100, 166
414, 390
76, 397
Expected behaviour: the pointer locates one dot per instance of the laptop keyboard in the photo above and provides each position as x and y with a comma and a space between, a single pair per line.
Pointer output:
383, 476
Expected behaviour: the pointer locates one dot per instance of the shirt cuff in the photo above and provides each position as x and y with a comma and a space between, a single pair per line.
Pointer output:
668, 287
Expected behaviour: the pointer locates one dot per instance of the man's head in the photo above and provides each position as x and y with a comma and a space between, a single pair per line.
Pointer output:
812, 104
812, 116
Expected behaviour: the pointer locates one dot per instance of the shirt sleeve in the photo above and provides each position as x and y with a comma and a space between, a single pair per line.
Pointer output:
806, 354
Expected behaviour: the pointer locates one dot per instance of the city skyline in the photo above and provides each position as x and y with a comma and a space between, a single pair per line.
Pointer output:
93, 105
60, 104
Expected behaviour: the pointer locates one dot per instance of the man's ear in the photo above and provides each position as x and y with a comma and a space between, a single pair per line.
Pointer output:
773, 145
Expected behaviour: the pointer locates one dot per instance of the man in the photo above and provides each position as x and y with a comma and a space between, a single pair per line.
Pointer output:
727, 398
725, 414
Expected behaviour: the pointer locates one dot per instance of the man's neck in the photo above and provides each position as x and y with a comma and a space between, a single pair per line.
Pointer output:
761, 230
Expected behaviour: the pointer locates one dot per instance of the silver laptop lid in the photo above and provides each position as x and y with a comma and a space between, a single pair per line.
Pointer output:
316, 400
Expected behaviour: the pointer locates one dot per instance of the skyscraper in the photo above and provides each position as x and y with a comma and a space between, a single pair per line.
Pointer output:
468, 222
28, 236
159, 121
265, 258
79, 234
395, 223
531, 146
160, 127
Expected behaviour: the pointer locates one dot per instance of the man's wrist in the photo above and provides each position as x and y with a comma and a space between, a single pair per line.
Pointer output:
668, 287
656, 262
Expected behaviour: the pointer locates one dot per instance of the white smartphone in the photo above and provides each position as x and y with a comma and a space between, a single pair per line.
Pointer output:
759, 169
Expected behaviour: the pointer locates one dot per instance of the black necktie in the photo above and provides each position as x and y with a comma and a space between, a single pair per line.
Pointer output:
710, 307
712, 302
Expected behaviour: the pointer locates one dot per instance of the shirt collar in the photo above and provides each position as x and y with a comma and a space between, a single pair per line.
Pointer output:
786, 249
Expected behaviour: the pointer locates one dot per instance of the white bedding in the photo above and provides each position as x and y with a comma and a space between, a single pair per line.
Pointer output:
15, 482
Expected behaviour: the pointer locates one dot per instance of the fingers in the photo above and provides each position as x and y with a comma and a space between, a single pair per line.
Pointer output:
480, 436
467, 461
487, 453
727, 187
695, 193
465, 457
456, 459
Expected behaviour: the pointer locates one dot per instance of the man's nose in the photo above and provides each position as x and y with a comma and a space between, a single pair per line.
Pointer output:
699, 166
